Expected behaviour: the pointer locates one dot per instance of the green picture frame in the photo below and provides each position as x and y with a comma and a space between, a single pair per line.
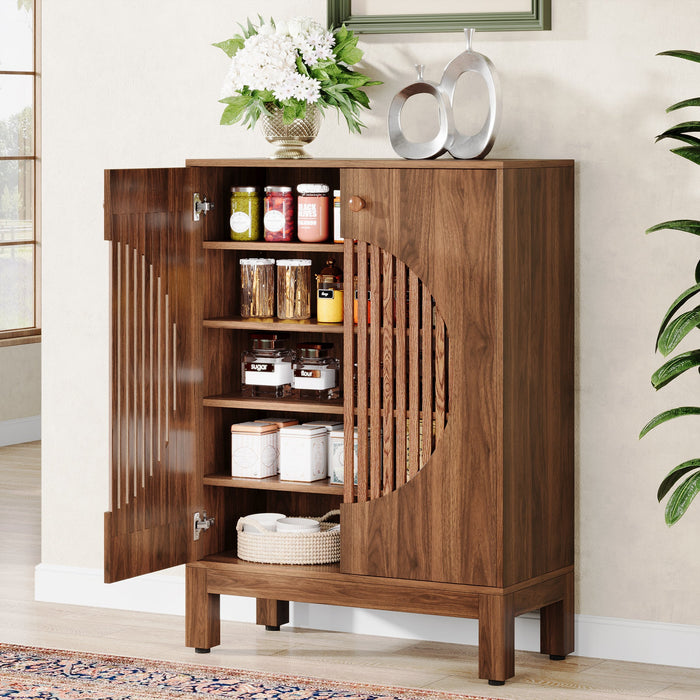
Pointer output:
539, 17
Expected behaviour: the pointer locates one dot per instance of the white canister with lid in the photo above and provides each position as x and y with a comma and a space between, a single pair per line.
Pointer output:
303, 454
336, 456
254, 450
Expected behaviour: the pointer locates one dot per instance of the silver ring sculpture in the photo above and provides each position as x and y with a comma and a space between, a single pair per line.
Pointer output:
448, 138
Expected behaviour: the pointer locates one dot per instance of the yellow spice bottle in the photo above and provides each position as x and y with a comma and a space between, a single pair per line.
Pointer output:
329, 295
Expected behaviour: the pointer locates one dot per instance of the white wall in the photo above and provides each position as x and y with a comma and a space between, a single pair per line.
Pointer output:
140, 87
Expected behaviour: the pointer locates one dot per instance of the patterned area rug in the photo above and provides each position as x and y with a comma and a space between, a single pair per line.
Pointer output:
29, 673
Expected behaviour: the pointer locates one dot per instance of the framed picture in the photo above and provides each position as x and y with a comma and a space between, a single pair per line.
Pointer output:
377, 16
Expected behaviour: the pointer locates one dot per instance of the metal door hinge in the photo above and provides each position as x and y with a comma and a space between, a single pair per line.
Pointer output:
200, 205
199, 523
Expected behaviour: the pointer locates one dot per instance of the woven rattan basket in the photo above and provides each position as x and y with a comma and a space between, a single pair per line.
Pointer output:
269, 547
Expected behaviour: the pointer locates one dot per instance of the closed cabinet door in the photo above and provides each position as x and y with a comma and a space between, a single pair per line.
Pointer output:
426, 350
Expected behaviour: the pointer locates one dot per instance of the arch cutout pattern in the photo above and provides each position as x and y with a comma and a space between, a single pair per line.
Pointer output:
399, 351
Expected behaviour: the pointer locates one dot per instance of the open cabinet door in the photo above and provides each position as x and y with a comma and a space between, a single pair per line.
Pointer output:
155, 485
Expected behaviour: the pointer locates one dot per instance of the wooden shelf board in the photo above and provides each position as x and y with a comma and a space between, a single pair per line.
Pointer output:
277, 247
273, 404
274, 483
256, 324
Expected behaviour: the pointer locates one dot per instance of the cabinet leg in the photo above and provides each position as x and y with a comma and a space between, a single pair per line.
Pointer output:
271, 613
202, 619
496, 638
557, 624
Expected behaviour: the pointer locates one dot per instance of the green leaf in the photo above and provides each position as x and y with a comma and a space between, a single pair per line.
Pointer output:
692, 102
675, 367
231, 46
681, 499
684, 138
687, 225
678, 329
669, 415
675, 475
682, 128
235, 107
682, 53
692, 153
697, 273
687, 294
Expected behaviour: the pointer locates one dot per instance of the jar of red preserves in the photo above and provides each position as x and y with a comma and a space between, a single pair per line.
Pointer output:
278, 220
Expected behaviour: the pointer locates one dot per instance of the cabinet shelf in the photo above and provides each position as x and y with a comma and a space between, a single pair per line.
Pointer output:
274, 483
255, 324
276, 247
272, 404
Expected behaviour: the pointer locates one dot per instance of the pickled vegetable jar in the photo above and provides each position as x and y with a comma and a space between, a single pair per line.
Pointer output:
245, 214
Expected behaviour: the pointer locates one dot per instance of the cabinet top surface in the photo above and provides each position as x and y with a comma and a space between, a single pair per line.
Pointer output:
486, 164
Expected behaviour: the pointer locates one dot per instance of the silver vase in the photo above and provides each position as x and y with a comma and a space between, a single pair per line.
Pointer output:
291, 138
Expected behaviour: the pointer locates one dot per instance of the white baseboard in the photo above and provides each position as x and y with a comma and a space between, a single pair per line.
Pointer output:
597, 637
18, 430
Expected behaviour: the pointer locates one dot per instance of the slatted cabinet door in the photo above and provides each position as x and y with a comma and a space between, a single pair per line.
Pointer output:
155, 366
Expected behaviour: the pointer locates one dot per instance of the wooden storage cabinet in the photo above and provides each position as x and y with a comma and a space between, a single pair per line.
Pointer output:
458, 375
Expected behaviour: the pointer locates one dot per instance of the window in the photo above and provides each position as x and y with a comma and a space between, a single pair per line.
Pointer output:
19, 313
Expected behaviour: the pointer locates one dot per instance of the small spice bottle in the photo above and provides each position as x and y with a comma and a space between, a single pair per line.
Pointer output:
257, 287
245, 214
312, 213
294, 288
329, 294
316, 372
278, 220
267, 368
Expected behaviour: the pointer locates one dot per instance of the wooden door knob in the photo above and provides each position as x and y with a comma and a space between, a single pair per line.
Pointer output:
356, 203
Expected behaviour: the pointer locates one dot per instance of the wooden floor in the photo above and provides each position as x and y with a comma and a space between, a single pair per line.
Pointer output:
336, 656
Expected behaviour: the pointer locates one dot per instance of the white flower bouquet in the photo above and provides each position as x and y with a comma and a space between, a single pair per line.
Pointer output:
291, 65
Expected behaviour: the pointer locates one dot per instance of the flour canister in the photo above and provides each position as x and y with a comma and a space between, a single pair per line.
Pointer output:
336, 456
254, 450
303, 453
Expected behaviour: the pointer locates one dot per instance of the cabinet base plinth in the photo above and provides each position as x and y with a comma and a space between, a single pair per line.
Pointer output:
274, 585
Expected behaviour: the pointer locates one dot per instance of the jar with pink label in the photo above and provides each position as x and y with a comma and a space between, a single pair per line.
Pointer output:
312, 213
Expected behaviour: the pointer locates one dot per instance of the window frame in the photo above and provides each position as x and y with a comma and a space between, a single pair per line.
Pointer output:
31, 334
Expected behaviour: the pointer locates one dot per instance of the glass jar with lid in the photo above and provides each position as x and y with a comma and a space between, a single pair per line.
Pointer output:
329, 293
257, 287
267, 367
316, 372
245, 214
278, 220
312, 212
294, 289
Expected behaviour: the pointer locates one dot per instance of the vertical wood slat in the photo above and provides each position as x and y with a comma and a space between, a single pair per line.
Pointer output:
136, 376
127, 377
400, 363
116, 387
427, 377
375, 428
389, 421
440, 377
413, 373
349, 357
362, 394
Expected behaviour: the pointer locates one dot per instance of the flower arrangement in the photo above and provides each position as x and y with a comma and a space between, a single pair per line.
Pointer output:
290, 65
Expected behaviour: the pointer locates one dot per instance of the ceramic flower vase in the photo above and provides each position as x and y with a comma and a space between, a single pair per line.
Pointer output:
291, 138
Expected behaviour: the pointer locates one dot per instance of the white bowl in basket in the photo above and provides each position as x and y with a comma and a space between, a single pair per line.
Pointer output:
297, 525
266, 521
